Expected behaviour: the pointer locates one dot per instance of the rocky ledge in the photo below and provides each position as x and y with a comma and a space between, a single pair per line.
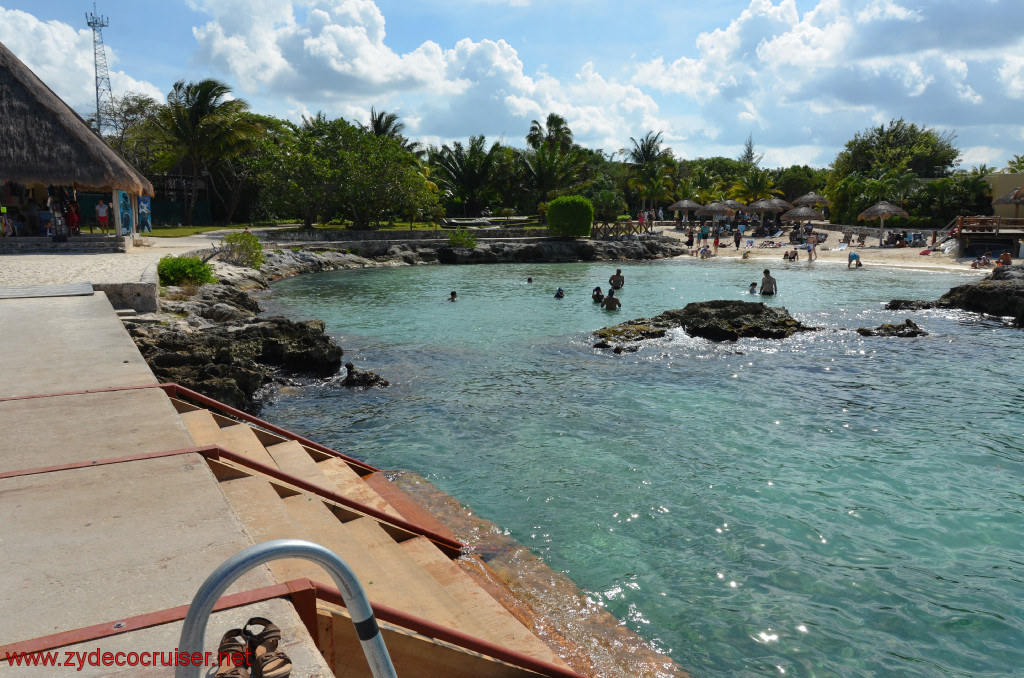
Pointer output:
1001, 293
720, 320
905, 329
651, 247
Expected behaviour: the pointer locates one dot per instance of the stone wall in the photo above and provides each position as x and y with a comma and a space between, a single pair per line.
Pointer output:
346, 235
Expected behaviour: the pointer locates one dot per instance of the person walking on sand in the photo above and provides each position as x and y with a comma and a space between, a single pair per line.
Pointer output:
737, 235
617, 280
102, 215
716, 242
769, 286
611, 302
812, 247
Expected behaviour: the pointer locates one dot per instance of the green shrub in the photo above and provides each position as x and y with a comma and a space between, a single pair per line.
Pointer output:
571, 216
460, 237
184, 271
243, 249
623, 217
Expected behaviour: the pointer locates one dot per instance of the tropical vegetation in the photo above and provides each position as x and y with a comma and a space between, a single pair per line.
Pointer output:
369, 174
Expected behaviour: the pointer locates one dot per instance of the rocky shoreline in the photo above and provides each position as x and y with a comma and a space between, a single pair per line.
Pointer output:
1001, 293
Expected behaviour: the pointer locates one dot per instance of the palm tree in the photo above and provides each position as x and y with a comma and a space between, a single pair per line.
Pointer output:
653, 182
645, 156
550, 171
706, 186
555, 131
466, 171
1015, 165
202, 125
386, 124
753, 185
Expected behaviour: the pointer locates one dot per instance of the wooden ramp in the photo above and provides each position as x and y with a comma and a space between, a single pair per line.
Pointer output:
397, 565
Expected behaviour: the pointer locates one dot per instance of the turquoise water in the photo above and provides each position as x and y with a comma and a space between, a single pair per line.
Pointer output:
827, 505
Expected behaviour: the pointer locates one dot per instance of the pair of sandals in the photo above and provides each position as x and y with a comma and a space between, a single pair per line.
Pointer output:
257, 651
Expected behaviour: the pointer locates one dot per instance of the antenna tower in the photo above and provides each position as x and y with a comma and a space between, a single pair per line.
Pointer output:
103, 94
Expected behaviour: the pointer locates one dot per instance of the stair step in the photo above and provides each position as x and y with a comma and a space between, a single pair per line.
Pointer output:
348, 483
491, 620
388, 575
201, 426
241, 439
292, 458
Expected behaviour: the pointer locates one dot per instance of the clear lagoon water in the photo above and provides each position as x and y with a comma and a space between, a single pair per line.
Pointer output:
826, 505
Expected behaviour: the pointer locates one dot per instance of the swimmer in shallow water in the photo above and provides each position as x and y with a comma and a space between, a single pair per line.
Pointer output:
611, 302
559, 293
453, 297
597, 295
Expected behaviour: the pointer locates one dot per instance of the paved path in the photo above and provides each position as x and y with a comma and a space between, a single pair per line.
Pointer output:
131, 267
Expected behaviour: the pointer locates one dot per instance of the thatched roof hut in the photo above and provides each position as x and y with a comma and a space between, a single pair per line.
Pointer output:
42, 140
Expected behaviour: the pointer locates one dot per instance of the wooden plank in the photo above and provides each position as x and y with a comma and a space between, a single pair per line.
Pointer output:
406, 506
75, 289
492, 621
201, 426
292, 458
350, 484
241, 439
414, 655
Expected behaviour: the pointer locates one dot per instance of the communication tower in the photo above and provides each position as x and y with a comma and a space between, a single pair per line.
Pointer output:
103, 93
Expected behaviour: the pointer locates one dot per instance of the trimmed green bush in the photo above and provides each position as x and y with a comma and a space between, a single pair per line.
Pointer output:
243, 249
460, 237
571, 216
184, 271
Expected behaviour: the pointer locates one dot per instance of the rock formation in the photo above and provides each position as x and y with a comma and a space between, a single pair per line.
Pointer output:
355, 378
905, 329
1000, 293
721, 320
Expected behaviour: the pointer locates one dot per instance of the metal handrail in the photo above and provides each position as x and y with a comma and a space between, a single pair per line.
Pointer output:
193, 630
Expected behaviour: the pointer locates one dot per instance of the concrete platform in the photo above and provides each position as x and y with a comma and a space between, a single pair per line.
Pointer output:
306, 660
42, 432
62, 344
90, 545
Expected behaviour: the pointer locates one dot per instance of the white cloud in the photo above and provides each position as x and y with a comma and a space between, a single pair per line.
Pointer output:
886, 10
1011, 76
62, 57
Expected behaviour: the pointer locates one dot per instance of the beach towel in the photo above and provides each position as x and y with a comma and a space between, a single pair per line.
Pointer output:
777, 234
842, 246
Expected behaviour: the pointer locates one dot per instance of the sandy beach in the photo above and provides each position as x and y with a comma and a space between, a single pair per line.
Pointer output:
870, 254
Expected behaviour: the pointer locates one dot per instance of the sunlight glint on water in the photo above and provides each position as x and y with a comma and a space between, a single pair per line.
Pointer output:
828, 505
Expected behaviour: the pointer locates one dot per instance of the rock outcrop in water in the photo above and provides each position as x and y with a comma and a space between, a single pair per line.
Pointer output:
355, 378
721, 320
904, 329
1000, 293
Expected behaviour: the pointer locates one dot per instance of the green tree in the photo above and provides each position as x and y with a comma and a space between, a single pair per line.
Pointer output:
797, 180
387, 125
555, 131
749, 156
466, 172
552, 170
129, 121
753, 185
383, 180
1015, 165
898, 145
202, 125
646, 158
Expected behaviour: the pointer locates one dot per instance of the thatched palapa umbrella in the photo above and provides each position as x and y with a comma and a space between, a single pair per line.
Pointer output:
1015, 197
684, 206
734, 204
812, 199
801, 213
881, 211
773, 205
715, 209
42, 140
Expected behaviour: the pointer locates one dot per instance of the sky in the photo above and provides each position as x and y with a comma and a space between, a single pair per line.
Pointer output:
800, 76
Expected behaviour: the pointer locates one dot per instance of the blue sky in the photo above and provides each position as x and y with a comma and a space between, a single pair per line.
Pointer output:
801, 76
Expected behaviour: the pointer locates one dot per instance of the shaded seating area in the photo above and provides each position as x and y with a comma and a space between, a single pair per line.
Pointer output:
48, 157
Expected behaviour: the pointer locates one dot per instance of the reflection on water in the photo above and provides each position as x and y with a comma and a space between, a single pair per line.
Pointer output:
825, 505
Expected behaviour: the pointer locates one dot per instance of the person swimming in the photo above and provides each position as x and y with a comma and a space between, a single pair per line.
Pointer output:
453, 297
559, 293
753, 288
597, 295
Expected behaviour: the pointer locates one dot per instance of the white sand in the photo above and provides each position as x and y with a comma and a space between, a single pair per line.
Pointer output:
870, 254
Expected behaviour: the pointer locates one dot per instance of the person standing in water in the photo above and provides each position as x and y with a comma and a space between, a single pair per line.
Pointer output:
611, 302
769, 286
617, 280
453, 297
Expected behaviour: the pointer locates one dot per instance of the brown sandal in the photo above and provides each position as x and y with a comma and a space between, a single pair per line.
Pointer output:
231, 655
265, 660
